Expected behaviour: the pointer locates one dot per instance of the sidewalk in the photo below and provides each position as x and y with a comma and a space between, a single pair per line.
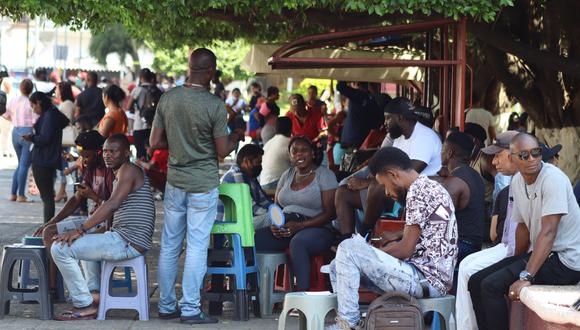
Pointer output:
19, 219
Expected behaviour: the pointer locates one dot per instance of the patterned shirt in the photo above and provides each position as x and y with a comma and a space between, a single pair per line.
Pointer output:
260, 201
430, 207
100, 179
19, 111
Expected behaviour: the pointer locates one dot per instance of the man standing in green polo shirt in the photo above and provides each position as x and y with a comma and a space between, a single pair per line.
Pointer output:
192, 123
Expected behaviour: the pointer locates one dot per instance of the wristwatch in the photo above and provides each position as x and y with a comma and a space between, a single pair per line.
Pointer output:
525, 276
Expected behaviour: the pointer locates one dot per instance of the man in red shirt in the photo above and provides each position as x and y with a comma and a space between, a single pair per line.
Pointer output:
307, 122
313, 102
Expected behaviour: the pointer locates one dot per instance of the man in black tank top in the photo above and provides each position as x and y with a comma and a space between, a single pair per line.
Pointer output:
132, 208
467, 191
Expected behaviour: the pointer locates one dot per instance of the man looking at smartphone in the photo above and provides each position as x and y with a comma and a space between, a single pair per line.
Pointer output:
96, 187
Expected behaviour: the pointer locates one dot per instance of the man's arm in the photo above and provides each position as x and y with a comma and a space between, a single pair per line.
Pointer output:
544, 242
493, 228
348, 91
406, 247
522, 239
224, 145
128, 177
158, 138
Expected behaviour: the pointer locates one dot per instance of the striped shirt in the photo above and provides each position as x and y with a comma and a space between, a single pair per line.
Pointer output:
135, 218
19, 112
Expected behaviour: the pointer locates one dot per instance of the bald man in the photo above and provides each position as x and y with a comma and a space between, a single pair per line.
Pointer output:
544, 204
192, 123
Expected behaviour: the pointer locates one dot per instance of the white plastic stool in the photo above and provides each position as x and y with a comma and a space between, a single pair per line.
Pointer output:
443, 305
313, 308
138, 302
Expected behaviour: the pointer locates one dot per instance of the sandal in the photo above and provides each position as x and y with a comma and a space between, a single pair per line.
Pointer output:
75, 316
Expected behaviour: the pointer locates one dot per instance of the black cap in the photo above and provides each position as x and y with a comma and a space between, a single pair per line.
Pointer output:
549, 153
401, 106
90, 140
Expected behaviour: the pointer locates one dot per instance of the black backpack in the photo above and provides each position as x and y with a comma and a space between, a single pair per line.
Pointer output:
2, 102
394, 310
147, 102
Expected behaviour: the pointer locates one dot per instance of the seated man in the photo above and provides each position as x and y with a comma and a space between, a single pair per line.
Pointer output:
421, 263
247, 169
544, 204
96, 187
276, 158
133, 211
362, 192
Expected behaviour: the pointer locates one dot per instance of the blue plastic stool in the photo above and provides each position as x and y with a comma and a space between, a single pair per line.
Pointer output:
124, 283
24, 279
240, 270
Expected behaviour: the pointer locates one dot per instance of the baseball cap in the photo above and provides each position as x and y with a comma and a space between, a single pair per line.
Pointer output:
502, 141
401, 106
424, 115
548, 153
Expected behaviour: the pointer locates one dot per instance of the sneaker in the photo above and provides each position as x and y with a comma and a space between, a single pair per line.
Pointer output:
169, 316
200, 318
342, 324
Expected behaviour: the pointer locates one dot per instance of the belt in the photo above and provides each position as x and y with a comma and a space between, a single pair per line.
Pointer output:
138, 248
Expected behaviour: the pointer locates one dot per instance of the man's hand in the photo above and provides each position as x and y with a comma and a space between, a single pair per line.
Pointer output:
38, 231
27, 137
357, 184
390, 236
68, 237
516, 288
241, 133
87, 192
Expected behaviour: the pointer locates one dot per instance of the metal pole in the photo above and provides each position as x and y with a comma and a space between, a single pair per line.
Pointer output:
460, 56
27, 37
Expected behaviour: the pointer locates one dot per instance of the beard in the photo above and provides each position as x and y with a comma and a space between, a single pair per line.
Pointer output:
395, 131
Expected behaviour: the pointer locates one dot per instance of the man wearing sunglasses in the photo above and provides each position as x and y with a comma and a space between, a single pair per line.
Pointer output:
544, 204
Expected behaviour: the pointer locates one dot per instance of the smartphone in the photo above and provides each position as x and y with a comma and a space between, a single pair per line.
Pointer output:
76, 184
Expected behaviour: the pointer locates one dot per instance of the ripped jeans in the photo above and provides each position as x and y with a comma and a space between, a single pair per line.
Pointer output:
377, 271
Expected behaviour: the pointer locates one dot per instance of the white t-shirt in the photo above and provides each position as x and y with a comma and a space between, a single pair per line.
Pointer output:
552, 193
276, 159
139, 122
424, 145
238, 105
482, 118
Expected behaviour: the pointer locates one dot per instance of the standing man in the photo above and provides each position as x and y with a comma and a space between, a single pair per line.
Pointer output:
143, 98
90, 102
544, 204
192, 123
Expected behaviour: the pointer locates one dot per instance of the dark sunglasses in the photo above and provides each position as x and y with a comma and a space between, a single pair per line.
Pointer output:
525, 154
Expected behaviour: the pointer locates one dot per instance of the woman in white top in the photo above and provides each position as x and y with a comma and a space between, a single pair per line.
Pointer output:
19, 112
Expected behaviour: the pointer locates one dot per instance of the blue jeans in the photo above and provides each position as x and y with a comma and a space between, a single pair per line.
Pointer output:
22, 148
91, 248
193, 214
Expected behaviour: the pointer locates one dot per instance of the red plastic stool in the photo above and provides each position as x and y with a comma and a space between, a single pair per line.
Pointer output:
317, 279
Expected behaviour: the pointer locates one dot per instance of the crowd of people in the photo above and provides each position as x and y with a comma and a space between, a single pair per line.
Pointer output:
484, 214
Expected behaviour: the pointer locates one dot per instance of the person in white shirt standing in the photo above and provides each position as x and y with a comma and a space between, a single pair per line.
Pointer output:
276, 159
478, 115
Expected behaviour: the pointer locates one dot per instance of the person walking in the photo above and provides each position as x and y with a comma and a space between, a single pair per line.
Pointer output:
20, 113
46, 155
192, 123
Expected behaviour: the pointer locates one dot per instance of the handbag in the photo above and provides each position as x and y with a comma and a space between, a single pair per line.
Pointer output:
69, 135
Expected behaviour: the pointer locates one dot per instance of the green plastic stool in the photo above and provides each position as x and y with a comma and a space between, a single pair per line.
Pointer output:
312, 307
238, 217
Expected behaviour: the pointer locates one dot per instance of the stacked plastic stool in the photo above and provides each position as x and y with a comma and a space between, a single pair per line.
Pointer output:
37, 256
239, 226
138, 301
445, 306
268, 263
313, 308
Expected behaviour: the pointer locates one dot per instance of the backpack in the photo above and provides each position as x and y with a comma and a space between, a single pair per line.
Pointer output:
394, 310
147, 102
2, 102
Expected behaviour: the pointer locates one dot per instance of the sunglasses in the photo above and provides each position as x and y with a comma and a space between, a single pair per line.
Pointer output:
525, 154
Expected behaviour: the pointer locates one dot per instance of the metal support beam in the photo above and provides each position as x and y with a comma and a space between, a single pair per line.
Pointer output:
460, 57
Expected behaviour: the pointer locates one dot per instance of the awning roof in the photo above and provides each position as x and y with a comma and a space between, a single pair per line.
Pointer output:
257, 61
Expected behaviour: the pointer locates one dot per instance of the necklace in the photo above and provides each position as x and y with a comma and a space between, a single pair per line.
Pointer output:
532, 187
193, 85
300, 175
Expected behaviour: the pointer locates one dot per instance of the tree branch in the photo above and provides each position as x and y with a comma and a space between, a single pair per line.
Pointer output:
538, 57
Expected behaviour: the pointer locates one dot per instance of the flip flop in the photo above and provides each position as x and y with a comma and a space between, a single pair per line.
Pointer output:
74, 316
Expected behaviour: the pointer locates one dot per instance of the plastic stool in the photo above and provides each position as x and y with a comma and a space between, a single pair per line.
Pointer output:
317, 278
313, 309
124, 283
41, 294
268, 264
238, 217
138, 302
443, 305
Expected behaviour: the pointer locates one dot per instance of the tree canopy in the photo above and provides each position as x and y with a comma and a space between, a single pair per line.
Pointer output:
182, 22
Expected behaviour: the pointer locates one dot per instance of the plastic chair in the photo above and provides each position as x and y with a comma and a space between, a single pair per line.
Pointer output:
139, 301
238, 217
445, 306
41, 294
312, 308
268, 264
238, 224
317, 278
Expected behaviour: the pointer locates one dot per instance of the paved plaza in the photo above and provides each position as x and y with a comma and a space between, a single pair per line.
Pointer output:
19, 219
